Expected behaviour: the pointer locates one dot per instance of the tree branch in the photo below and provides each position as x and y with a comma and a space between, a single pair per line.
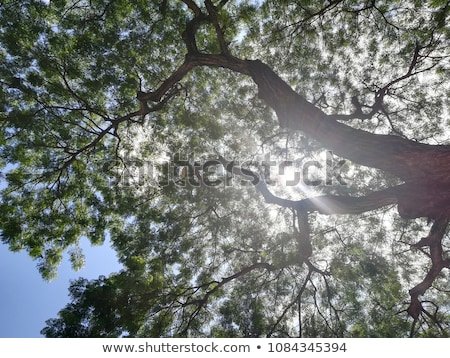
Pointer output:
294, 301
323, 204
399, 156
200, 303
193, 7
214, 19
438, 263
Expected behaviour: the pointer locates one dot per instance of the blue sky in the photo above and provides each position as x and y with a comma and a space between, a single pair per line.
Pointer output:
27, 301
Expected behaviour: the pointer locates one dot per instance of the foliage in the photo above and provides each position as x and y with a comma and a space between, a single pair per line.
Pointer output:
83, 158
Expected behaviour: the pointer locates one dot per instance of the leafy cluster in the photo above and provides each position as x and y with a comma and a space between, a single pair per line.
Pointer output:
80, 157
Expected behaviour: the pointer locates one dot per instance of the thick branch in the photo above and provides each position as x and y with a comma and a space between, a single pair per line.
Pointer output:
438, 263
191, 61
404, 158
219, 32
324, 204
193, 7
414, 200
171, 81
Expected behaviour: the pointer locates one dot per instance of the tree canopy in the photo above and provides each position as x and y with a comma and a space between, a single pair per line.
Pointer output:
262, 168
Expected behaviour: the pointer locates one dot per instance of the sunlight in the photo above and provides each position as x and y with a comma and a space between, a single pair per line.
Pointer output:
292, 181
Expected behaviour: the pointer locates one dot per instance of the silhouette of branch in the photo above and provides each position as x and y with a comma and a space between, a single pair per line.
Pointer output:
438, 263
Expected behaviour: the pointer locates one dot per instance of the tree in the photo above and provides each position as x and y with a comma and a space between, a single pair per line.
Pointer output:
99, 97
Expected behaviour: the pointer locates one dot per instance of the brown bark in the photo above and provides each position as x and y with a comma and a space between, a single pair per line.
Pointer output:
409, 160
